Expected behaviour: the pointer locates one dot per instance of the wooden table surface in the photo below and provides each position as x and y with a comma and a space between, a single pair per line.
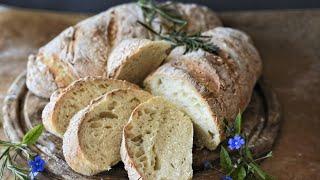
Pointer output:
289, 43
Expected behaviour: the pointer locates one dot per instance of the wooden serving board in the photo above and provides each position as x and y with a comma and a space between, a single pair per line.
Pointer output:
22, 110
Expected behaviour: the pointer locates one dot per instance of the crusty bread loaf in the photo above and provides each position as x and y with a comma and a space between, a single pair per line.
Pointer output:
40, 81
134, 59
92, 142
200, 18
157, 142
83, 49
62, 106
209, 87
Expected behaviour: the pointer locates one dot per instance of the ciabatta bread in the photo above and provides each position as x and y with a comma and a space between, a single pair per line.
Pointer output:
92, 142
83, 49
62, 106
134, 59
157, 142
208, 87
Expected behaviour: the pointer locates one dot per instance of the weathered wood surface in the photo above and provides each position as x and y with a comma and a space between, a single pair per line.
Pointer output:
287, 41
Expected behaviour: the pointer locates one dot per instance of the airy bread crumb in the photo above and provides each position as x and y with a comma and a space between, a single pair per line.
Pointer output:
157, 142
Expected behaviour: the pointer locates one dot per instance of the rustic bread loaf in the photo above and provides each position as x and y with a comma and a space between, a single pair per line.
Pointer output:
83, 49
157, 142
62, 106
134, 59
40, 81
199, 18
92, 142
208, 87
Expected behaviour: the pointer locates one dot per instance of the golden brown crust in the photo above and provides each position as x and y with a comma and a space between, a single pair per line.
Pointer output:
77, 154
83, 49
223, 82
130, 166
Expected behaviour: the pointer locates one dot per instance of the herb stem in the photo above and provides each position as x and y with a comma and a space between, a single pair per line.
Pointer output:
262, 158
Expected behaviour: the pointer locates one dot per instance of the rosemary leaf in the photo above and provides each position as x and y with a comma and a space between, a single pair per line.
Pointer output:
191, 42
12, 150
4, 162
150, 8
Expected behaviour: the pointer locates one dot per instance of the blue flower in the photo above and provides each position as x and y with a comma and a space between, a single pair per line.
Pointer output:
36, 165
226, 178
236, 142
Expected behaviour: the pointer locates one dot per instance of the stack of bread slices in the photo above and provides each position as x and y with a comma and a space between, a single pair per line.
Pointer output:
116, 94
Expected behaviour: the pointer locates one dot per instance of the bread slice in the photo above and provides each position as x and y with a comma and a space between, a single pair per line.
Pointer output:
134, 59
62, 106
208, 87
92, 142
157, 142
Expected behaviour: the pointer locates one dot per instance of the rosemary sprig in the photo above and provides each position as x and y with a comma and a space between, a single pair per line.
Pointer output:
191, 42
11, 151
150, 9
240, 164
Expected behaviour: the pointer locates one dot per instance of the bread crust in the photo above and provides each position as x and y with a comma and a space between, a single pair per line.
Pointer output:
200, 18
73, 146
129, 164
224, 82
39, 79
83, 49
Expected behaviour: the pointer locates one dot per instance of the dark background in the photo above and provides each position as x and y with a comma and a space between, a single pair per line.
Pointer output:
218, 5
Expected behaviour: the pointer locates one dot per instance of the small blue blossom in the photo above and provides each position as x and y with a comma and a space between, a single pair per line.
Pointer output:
36, 165
236, 142
226, 178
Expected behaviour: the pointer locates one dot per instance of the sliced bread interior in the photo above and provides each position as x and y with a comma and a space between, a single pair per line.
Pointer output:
157, 142
92, 142
210, 88
134, 59
58, 112
177, 86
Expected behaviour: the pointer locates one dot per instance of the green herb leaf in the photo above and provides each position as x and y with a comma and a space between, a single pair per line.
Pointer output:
264, 157
248, 153
32, 135
225, 160
238, 123
259, 173
150, 8
268, 155
240, 173
191, 42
